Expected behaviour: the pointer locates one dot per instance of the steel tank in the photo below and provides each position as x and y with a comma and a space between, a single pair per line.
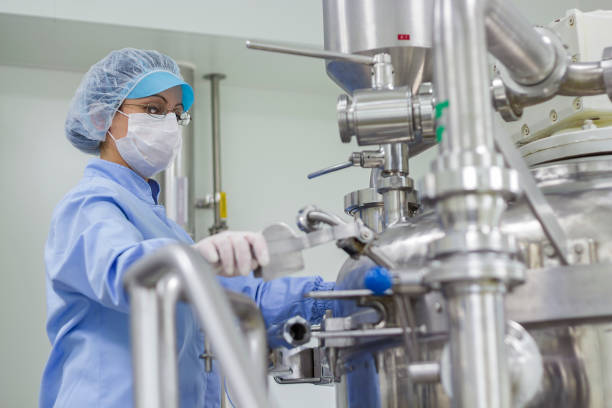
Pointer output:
566, 310
400, 28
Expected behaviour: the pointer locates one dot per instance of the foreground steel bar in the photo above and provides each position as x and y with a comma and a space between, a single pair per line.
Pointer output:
197, 278
254, 329
168, 291
512, 40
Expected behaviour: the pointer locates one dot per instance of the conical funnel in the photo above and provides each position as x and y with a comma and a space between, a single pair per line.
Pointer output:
401, 28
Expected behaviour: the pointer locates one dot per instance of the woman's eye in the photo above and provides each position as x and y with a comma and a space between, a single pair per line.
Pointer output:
154, 109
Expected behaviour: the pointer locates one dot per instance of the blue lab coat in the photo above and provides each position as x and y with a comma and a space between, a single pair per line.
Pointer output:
103, 225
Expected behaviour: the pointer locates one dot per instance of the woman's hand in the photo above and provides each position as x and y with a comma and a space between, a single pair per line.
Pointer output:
236, 253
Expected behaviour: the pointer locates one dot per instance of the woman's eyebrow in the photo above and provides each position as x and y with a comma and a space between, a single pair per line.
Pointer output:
165, 100
160, 96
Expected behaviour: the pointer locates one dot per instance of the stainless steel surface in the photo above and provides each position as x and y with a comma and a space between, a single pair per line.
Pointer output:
213, 311
396, 159
376, 116
330, 169
526, 95
424, 372
340, 294
169, 291
285, 246
606, 64
469, 187
584, 142
356, 334
151, 390
311, 52
477, 350
583, 79
219, 224
551, 296
527, 54
535, 198
367, 205
366, 159
399, 28
177, 182
254, 329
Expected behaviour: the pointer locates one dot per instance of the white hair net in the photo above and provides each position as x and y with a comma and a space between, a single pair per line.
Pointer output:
103, 89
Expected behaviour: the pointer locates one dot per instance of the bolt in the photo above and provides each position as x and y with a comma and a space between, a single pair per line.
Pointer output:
366, 235
549, 251
572, 20
574, 58
553, 115
588, 124
525, 130
577, 103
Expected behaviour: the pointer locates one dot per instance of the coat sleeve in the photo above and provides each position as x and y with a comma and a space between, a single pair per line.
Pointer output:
282, 298
91, 245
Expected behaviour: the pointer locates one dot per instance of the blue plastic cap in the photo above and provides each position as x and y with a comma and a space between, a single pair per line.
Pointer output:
378, 280
159, 81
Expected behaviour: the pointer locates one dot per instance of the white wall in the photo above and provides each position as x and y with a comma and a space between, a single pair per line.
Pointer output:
37, 167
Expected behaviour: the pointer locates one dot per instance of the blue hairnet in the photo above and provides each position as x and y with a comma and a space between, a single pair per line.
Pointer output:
103, 89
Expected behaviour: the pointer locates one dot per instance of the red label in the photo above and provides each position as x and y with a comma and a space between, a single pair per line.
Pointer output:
403, 36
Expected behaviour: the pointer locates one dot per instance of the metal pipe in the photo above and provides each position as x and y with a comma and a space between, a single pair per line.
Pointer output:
215, 78
461, 72
254, 330
213, 311
480, 377
529, 56
313, 53
168, 292
583, 79
149, 386
469, 203
426, 372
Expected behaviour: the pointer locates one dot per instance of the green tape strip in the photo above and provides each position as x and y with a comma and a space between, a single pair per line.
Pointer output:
439, 130
440, 108
439, 111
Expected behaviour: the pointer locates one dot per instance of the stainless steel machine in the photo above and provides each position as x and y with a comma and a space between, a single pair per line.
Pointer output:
489, 285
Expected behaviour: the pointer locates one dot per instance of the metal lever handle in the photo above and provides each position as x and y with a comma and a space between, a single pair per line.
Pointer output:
311, 52
368, 159
330, 169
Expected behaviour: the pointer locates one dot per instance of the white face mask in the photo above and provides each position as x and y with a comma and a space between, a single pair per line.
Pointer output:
150, 144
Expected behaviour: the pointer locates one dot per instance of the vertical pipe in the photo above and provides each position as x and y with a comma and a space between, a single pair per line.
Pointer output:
475, 297
214, 78
145, 327
462, 75
478, 363
168, 292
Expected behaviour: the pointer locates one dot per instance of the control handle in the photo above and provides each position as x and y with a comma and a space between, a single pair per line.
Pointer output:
368, 159
312, 52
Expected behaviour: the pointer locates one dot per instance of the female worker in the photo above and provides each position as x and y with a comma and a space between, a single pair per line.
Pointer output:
127, 110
